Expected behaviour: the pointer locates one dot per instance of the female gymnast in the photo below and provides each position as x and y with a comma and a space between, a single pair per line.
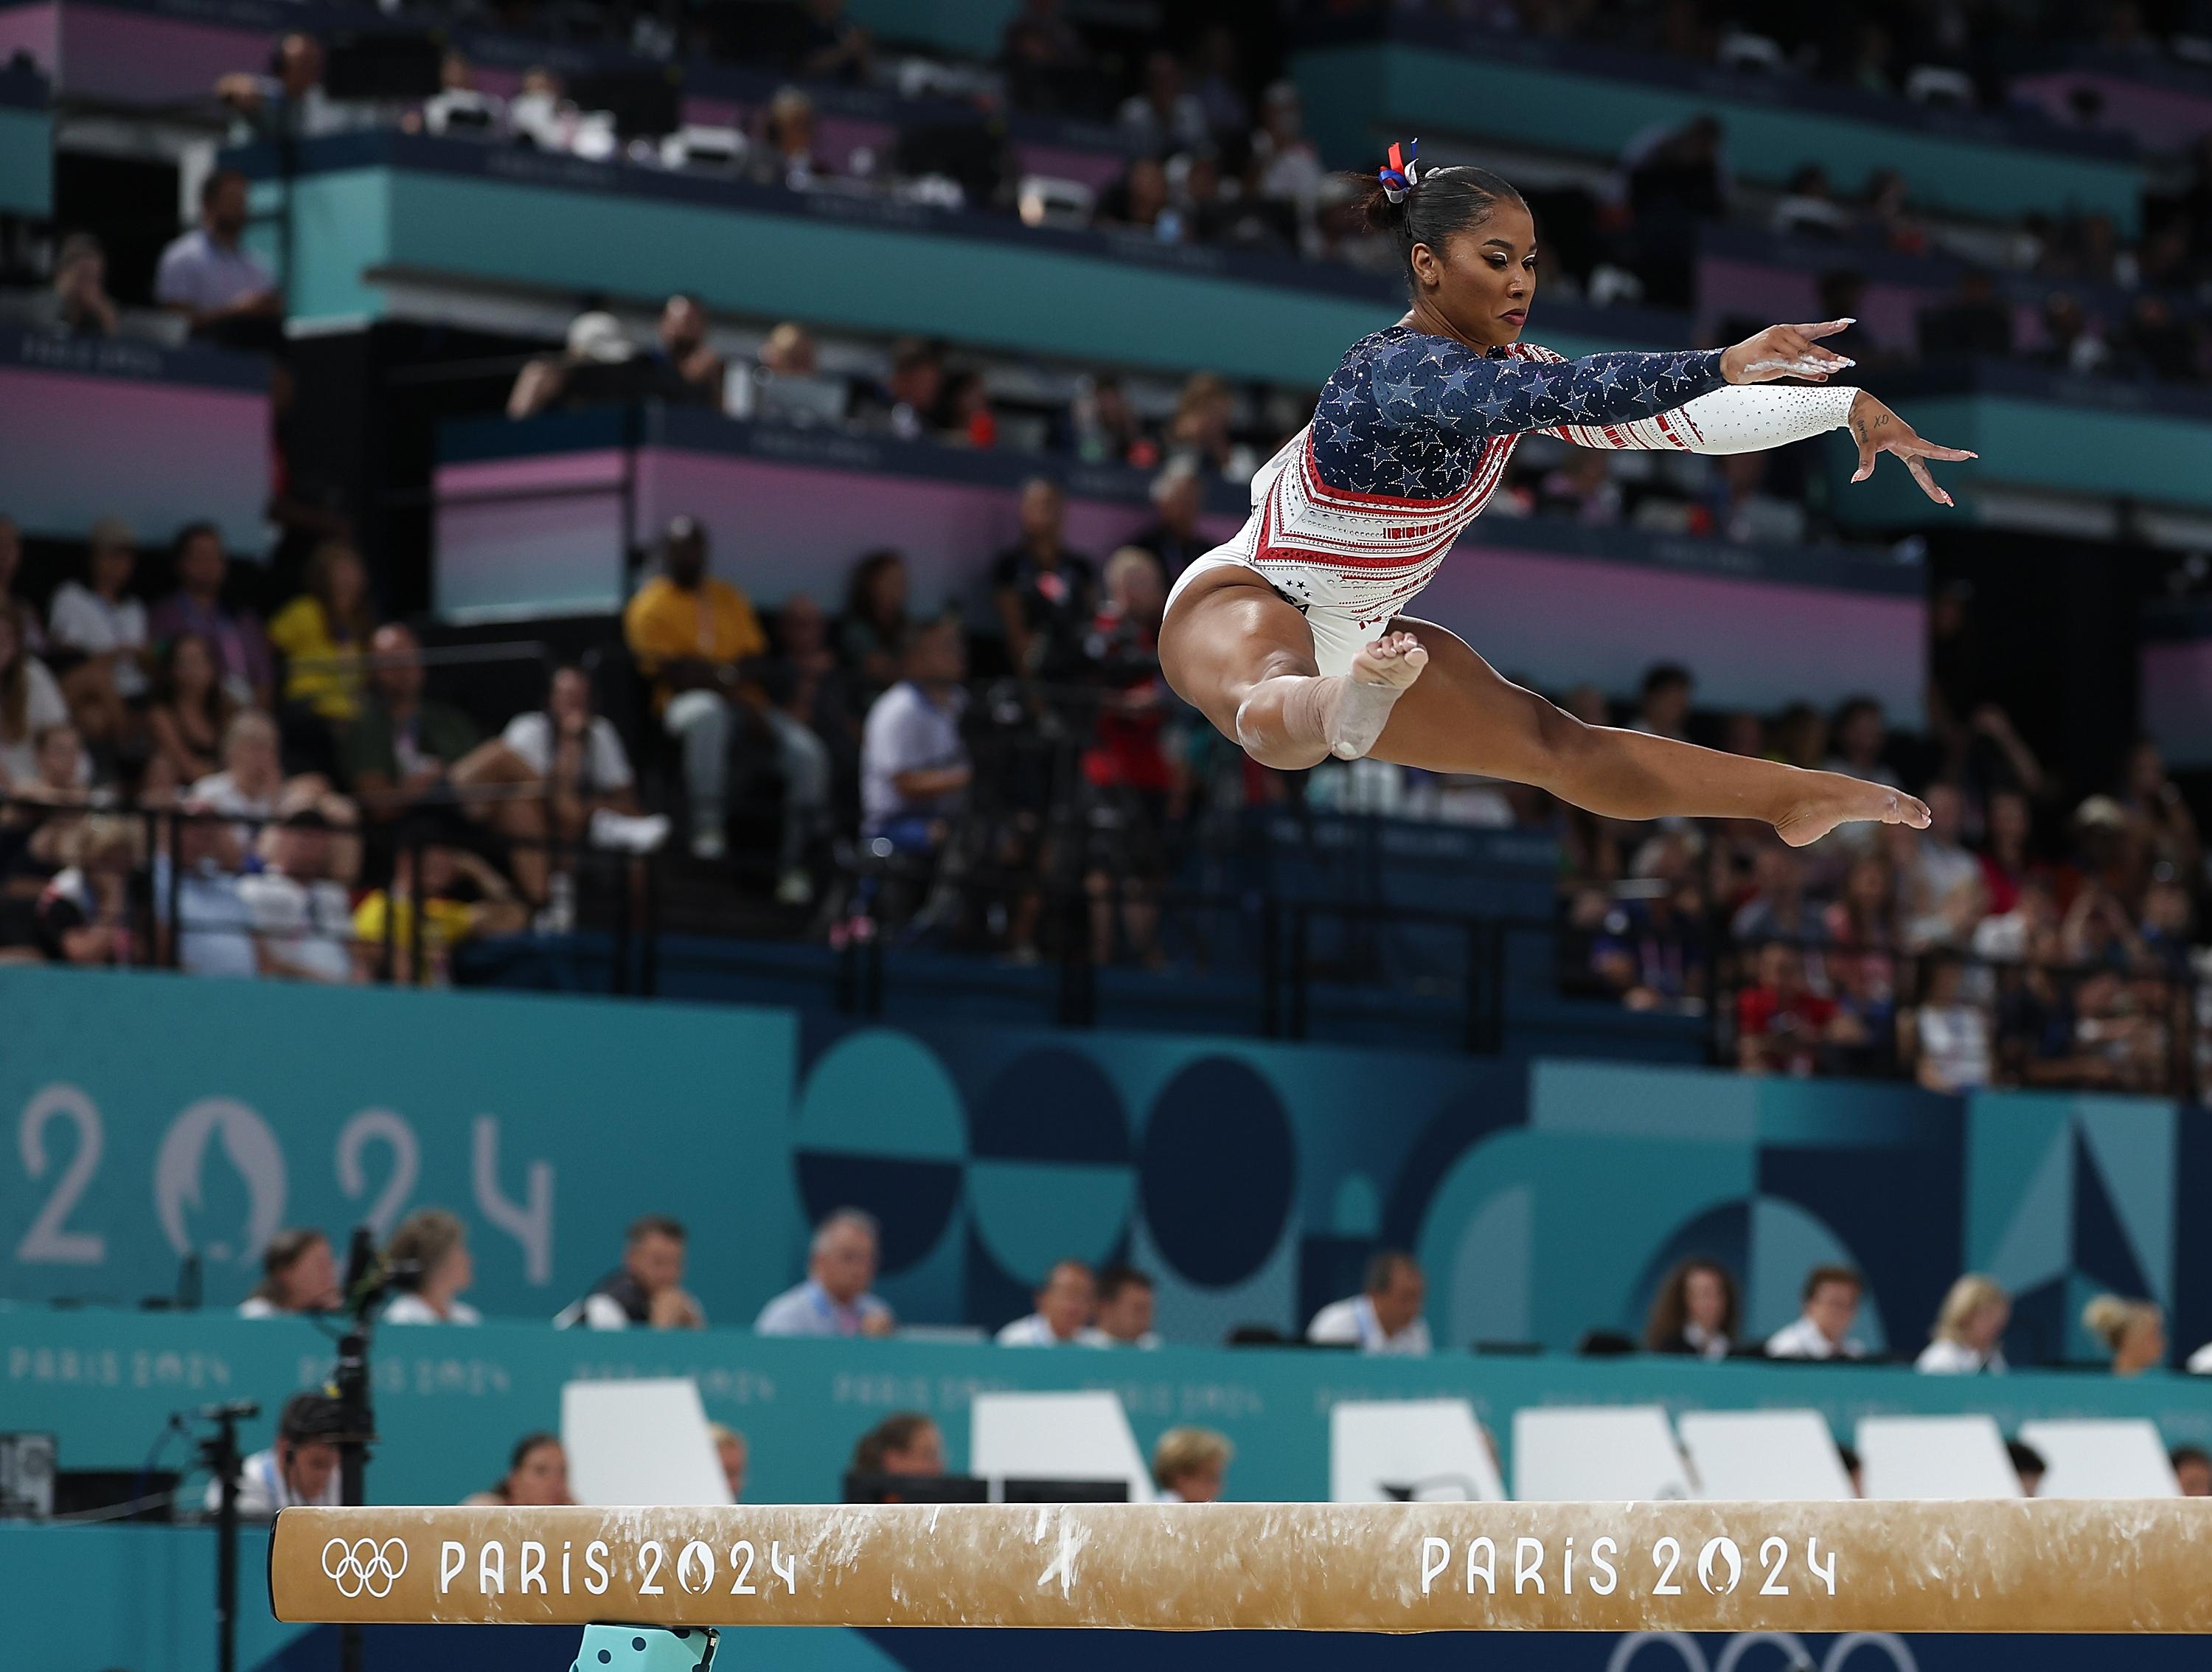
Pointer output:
1292, 637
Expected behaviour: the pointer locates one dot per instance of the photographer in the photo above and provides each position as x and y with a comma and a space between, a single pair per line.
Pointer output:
301, 1468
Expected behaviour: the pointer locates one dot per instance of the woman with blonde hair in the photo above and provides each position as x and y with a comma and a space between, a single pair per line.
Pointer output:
431, 1248
1969, 1327
1190, 1465
2133, 1331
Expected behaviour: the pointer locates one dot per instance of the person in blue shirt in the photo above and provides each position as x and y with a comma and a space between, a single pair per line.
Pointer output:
835, 1299
1293, 638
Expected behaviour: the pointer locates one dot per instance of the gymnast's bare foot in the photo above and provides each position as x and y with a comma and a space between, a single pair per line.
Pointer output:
1380, 675
1832, 799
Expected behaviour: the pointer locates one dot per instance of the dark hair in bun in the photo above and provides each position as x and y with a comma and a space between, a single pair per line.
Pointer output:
1444, 200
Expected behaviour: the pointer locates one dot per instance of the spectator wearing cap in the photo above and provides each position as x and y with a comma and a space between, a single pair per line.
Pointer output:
78, 304
243, 662
1969, 1330
646, 1292
299, 1274
601, 367
1823, 1328
836, 1299
429, 1256
300, 1467
1178, 495
1065, 1302
1385, 1316
210, 279
1124, 1311
1191, 1465
96, 636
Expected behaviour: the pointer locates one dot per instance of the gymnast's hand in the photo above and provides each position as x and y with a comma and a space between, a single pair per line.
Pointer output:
1879, 430
1782, 351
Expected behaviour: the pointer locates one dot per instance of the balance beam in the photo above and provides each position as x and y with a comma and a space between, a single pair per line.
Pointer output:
2062, 1566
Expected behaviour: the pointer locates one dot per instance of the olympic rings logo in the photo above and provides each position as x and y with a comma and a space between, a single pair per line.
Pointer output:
1794, 1651
364, 1567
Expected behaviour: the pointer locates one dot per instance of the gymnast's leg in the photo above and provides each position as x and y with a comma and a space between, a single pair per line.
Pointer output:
1241, 653
1462, 717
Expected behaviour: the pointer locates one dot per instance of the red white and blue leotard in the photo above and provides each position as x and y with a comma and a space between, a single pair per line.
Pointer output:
1413, 434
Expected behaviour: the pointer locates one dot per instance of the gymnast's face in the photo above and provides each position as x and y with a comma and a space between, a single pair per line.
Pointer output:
1480, 285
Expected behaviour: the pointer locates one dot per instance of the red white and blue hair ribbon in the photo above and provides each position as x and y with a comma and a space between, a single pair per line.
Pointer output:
1402, 173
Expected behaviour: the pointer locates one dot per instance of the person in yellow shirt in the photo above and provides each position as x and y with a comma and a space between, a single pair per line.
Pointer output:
397, 912
322, 634
692, 635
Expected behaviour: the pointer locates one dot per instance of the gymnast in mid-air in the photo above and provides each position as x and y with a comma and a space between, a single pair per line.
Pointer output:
1293, 638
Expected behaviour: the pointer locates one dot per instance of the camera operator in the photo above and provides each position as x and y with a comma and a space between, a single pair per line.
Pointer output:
301, 1468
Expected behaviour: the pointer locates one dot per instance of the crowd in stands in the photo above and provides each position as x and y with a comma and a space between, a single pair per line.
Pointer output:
1696, 1312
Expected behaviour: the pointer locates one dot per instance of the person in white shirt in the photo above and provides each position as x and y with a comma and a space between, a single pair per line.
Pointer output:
299, 1274
1949, 1033
253, 776
1191, 1465
1125, 1310
97, 636
2200, 1362
1064, 1305
301, 919
1968, 1329
206, 276
1823, 1330
28, 693
1387, 1318
430, 1257
301, 1468
836, 1297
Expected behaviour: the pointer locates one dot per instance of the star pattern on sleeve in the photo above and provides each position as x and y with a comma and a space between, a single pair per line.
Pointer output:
1407, 414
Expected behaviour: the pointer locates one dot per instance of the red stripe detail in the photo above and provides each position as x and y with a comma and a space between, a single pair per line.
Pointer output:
1683, 415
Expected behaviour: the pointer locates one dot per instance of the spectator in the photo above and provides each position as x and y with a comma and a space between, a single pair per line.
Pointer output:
1664, 708
536, 1472
51, 802
1191, 1465
1285, 165
322, 634
1969, 1332
299, 1274
292, 102
31, 701
300, 1467
904, 1444
1823, 1329
576, 757
96, 634
252, 775
1949, 1047
914, 767
1165, 116
1695, 1312
1065, 1303
832, 47
1976, 322
1385, 1317
1125, 1310
691, 634
191, 709
872, 633
444, 894
598, 366
85, 915
1107, 429
212, 929
1940, 893
243, 664
1199, 431
787, 350
1174, 536
296, 904
2009, 936
690, 370
1045, 593
2028, 1463
2132, 1331
732, 1452
785, 155
915, 391
837, 1297
1219, 87
1141, 201
2192, 1468
429, 1261
2157, 817
1782, 1026
647, 1292
78, 304
1861, 735
205, 275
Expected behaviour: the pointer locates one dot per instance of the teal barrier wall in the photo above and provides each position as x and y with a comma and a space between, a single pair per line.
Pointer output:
454, 210
27, 161
451, 1401
148, 1116
1531, 95
973, 28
